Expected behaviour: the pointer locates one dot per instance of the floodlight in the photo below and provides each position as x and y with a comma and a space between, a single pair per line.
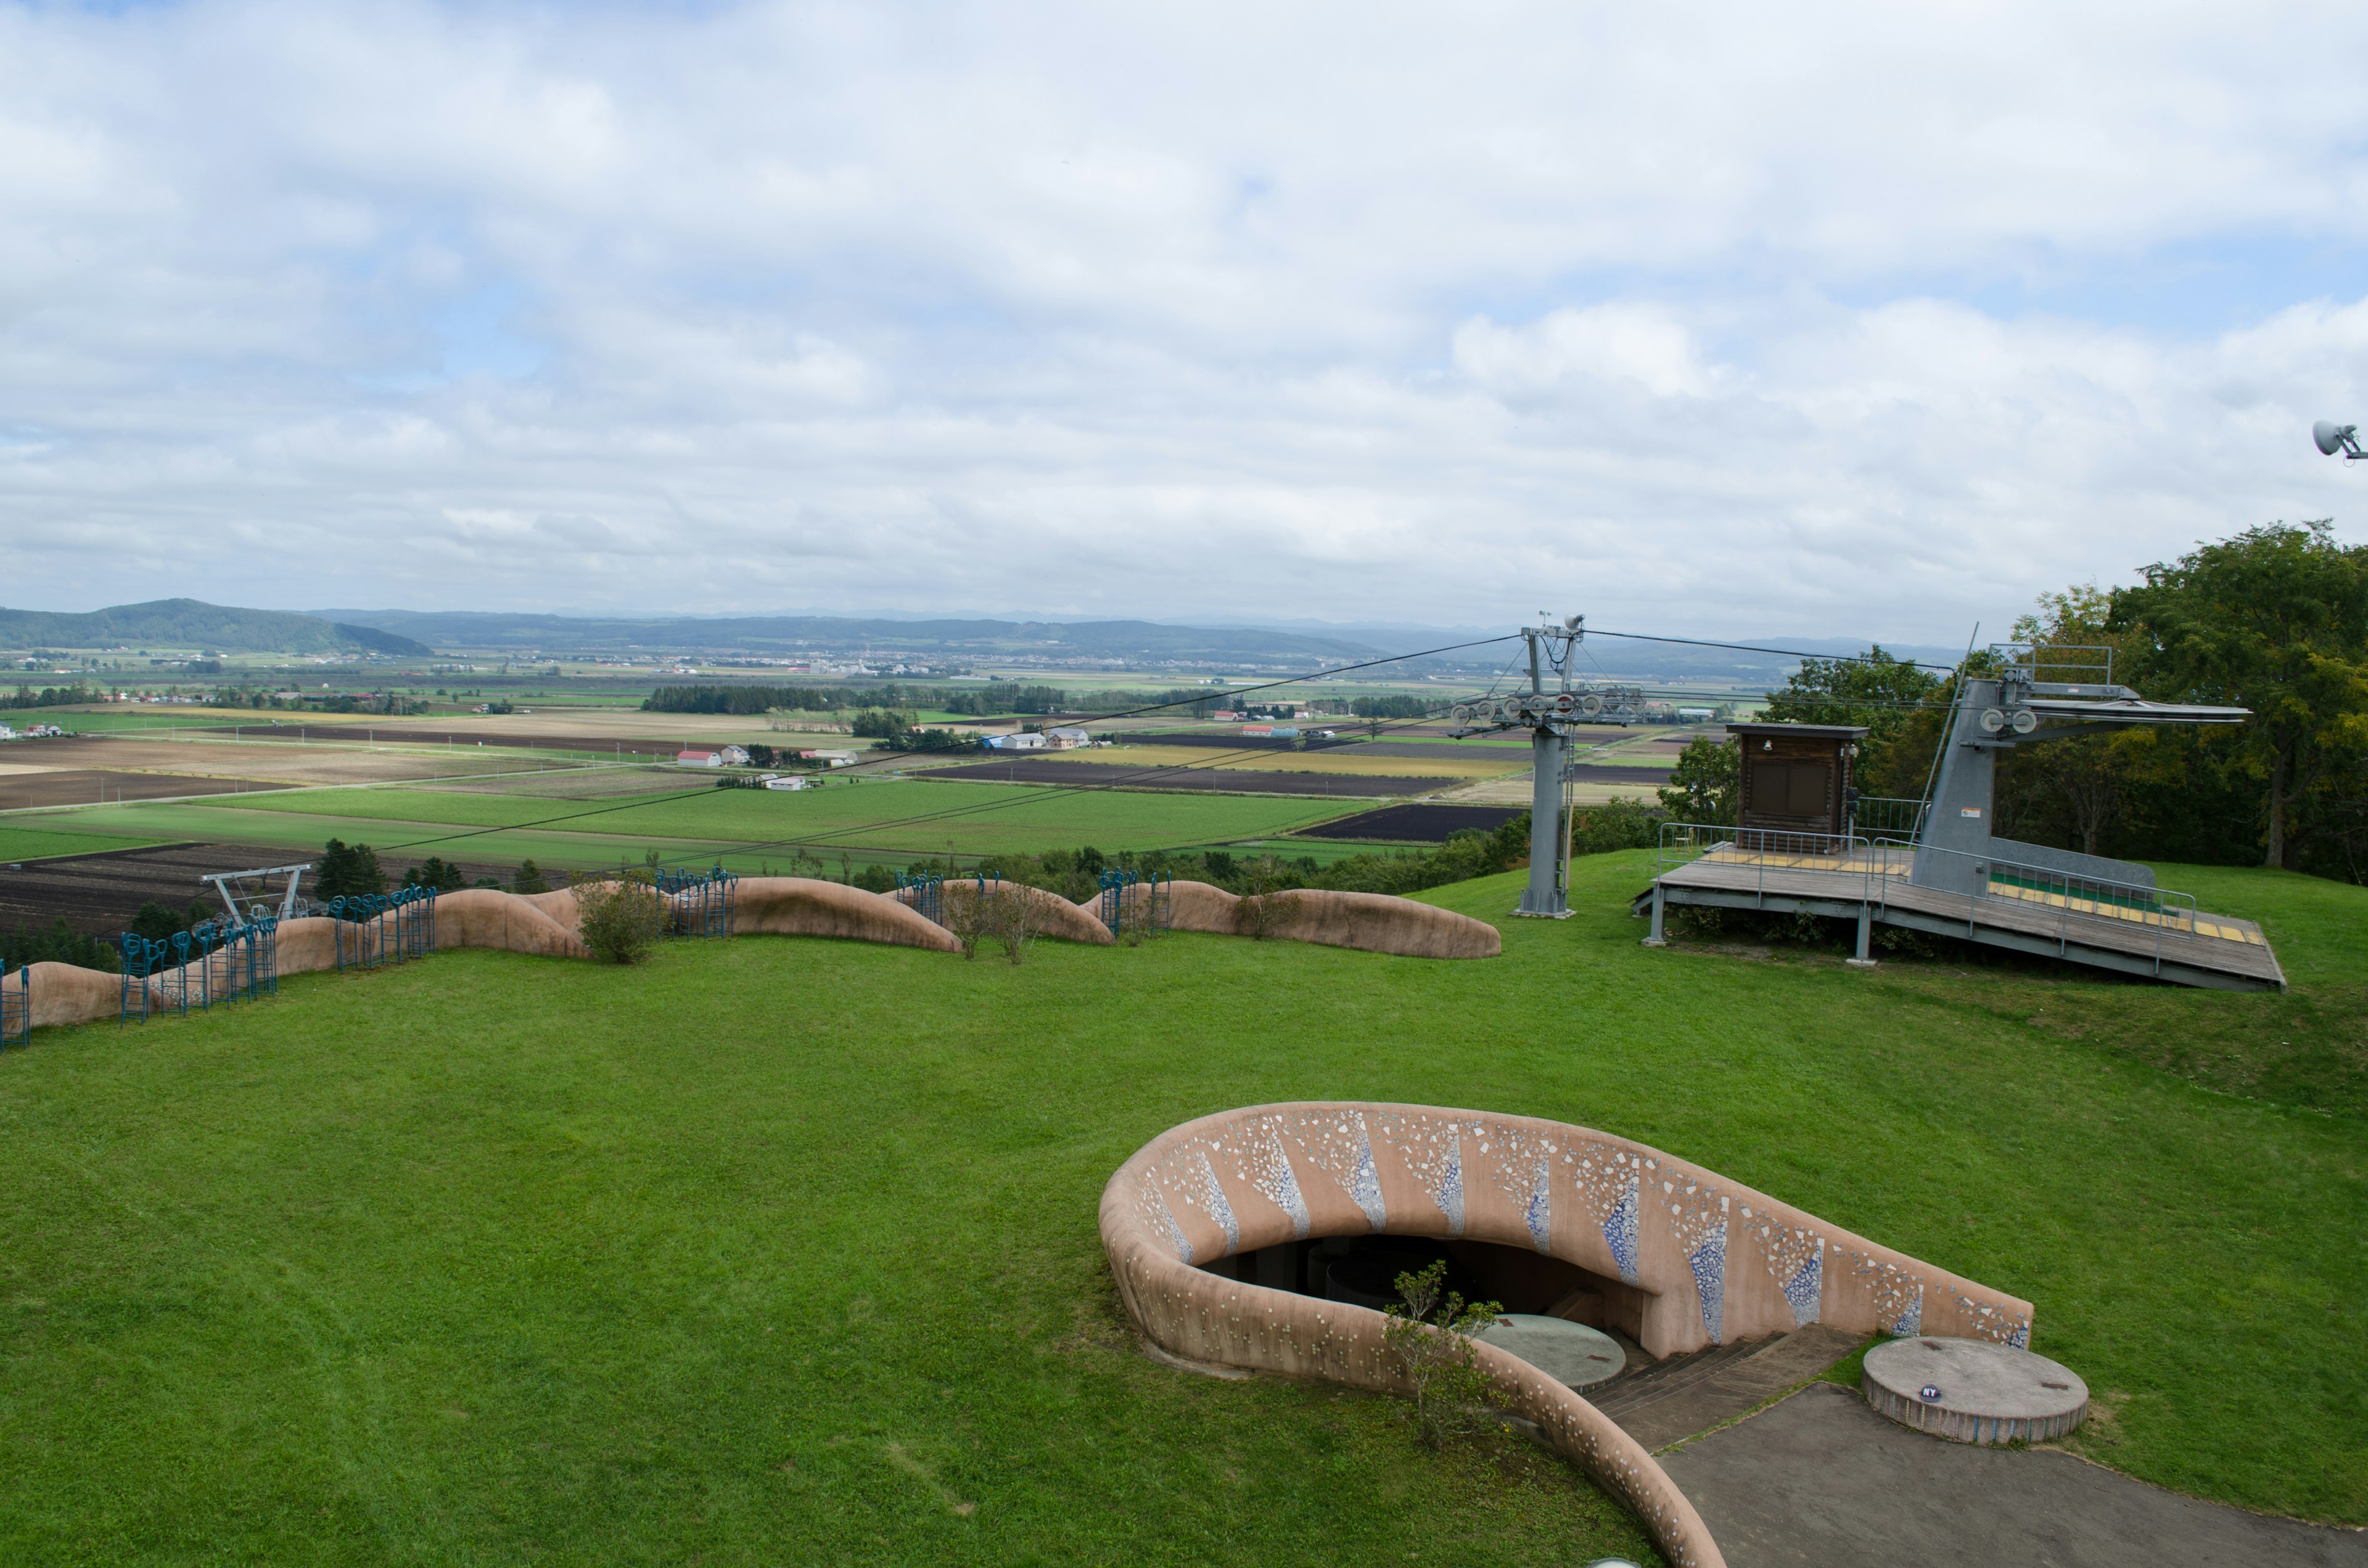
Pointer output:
2338, 441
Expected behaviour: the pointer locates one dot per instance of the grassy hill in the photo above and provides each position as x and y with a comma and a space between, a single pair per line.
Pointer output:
192, 624
784, 1251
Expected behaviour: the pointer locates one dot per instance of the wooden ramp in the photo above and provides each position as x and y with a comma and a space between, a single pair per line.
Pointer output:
2216, 950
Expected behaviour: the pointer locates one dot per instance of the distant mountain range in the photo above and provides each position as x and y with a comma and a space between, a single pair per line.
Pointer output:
188, 624
1116, 641
196, 625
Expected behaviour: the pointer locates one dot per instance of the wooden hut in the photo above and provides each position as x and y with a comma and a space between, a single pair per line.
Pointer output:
1796, 777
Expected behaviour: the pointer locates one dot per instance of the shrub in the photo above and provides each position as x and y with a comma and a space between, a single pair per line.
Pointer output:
530, 878
1431, 1336
623, 916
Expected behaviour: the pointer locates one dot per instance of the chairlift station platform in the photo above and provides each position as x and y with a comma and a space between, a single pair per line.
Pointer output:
1804, 841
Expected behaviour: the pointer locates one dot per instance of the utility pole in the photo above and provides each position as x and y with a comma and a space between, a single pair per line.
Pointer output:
1548, 716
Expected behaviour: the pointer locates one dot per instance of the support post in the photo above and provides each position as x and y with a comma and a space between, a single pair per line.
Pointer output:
1656, 939
1544, 896
1865, 935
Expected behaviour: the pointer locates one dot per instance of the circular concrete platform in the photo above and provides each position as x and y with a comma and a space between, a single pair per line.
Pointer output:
1974, 1391
1571, 1353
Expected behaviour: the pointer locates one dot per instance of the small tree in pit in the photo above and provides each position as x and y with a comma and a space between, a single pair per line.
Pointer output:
1431, 1336
621, 916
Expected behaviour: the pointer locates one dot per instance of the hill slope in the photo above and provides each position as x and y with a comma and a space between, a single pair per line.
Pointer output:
192, 623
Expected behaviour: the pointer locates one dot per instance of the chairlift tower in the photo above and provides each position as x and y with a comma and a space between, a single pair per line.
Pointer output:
1549, 716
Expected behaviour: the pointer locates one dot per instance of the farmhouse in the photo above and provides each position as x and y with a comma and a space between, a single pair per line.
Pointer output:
699, 756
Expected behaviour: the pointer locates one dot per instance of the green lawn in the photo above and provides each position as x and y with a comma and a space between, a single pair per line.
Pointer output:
909, 816
783, 1251
17, 843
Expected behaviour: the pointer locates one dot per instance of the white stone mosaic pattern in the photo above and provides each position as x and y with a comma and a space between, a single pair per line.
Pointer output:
1167, 1220
1432, 1148
1897, 1295
1606, 1180
1265, 1166
1338, 1144
1796, 1259
1520, 1161
1698, 1218
1195, 1185
1989, 1322
1619, 1233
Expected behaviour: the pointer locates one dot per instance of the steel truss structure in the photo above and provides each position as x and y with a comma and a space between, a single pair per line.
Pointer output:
924, 891
17, 1008
697, 904
1139, 902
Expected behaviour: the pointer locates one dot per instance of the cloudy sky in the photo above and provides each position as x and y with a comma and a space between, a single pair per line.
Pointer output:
1850, 320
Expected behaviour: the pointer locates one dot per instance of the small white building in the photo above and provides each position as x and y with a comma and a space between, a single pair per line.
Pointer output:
1066, 740
1026, 742
735, 756
834, 758
788, 781
699, 757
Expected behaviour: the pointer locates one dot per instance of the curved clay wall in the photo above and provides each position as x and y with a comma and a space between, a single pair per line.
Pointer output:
1712, 1260
545, 924
807, 907
1055, 916
1371, 922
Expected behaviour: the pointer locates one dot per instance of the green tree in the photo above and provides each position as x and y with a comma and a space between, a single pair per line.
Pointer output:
435, 872
1703, 784
530, 878
2077, 788
2274, 620
1876, 691
344, 872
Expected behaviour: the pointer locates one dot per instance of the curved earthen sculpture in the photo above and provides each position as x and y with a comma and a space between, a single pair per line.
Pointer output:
1054, 915
1371, 922
69, 993
559, 903
807, 907
1686, 1257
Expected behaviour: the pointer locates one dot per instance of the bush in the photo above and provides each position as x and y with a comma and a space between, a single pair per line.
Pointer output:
530, 878
876, 878
1431, 1335
59, 944
623, 916
160, 922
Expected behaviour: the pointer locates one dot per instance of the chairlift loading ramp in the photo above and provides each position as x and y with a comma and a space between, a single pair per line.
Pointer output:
1951, 877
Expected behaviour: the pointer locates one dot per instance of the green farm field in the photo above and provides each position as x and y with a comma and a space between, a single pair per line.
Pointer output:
902, 816
20, 843
468, 1262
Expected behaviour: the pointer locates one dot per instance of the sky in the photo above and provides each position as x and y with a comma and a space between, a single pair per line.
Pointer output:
1849, 321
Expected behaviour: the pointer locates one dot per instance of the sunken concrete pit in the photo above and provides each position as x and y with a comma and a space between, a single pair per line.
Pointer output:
1696, 1259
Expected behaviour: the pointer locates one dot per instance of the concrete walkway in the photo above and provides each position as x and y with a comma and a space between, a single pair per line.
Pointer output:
1820, 1481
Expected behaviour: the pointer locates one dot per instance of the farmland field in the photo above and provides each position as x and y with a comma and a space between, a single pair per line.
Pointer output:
20, 843
473, 1261
902, 816
1352, 762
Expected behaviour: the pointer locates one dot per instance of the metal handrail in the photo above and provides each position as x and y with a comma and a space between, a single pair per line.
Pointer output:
1872, 814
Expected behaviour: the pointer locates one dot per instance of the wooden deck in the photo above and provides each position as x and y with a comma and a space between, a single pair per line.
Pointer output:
2216, 950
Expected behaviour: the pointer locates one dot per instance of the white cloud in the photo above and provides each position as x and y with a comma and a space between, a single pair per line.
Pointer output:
1372, 312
